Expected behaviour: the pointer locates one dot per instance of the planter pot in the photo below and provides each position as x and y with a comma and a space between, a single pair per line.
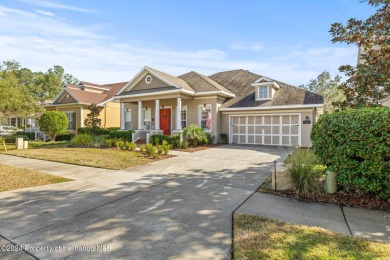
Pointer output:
330, 182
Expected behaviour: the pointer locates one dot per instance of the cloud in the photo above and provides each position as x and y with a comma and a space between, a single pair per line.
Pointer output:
251, 47
41, 41
56, 5
44, 12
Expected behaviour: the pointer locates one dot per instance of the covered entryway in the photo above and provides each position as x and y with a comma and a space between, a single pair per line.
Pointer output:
266, 129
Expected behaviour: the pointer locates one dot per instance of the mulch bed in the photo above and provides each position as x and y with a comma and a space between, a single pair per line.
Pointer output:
350, 198
191, 149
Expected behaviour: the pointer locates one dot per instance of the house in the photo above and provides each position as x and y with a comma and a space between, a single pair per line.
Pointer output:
74, 100
250, 108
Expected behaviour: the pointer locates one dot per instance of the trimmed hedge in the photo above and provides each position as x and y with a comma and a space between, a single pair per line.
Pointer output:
356, 144
125, 135
65, 137
91, 131
30, 135
173, 140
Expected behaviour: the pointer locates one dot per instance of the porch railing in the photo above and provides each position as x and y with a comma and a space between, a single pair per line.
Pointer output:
136, 135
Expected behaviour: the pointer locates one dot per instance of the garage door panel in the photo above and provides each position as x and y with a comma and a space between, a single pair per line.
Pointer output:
294, 140
242, 139
285, 140
242, 120
259, 120
267, 139
285, 120
294, 120
295, 130
276, 120
251, 139
267, 130
251, 130
275, 129
267, 120
251, 120
285, 130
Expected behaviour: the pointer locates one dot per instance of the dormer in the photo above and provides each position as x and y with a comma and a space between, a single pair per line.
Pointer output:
265, 88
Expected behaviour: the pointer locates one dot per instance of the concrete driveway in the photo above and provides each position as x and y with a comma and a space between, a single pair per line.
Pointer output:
171, 209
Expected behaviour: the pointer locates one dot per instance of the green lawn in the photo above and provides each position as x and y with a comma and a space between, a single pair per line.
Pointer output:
94, 157
263, 238
12, 178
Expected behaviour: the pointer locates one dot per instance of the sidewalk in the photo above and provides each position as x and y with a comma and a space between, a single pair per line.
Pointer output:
363, 223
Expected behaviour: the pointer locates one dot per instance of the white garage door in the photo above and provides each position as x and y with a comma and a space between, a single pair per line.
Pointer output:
266, 129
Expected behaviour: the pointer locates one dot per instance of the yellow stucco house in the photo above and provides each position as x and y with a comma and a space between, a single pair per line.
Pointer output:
74, 100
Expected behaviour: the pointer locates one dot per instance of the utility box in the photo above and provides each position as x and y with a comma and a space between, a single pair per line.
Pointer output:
19, 143
25, 144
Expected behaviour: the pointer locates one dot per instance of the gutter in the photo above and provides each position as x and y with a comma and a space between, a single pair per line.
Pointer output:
270, 107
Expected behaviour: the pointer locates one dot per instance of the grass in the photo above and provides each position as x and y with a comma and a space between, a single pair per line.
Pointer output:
100, 158
262, 238
12, 178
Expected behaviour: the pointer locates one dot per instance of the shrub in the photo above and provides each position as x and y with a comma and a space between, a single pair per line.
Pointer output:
355, 144
31, 136
12, 138
166, 147
64, 137
142, 148
194, 134
150, 150
130, 146
109, 143
160, 149
84, 140
53, 123
304, 171
93, 131
185, 144
224, 138
156, 141
125, 135
173, 140
119, 143
208, 140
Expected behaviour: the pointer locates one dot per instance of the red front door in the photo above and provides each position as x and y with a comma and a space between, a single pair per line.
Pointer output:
165, 120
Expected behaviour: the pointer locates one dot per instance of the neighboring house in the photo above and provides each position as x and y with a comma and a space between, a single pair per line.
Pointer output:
74, 100
250, 108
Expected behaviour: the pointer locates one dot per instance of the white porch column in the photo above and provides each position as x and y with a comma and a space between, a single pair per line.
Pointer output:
178, 114
123, 116
157, 115
81, 116
140, 119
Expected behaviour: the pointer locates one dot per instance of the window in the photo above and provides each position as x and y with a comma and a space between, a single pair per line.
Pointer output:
184, 117
71, 120
148, 79
263, 92
205, 117
128, 119
147, 118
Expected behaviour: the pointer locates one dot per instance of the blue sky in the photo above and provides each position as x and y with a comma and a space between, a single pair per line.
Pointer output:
110, 41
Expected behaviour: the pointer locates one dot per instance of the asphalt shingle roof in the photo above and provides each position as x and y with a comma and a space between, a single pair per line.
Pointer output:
240, 83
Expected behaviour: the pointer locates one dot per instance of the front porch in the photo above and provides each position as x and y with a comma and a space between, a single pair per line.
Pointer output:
149, 117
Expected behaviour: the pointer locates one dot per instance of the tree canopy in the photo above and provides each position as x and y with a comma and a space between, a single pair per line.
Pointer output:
368, 83
327, 87
22, 91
